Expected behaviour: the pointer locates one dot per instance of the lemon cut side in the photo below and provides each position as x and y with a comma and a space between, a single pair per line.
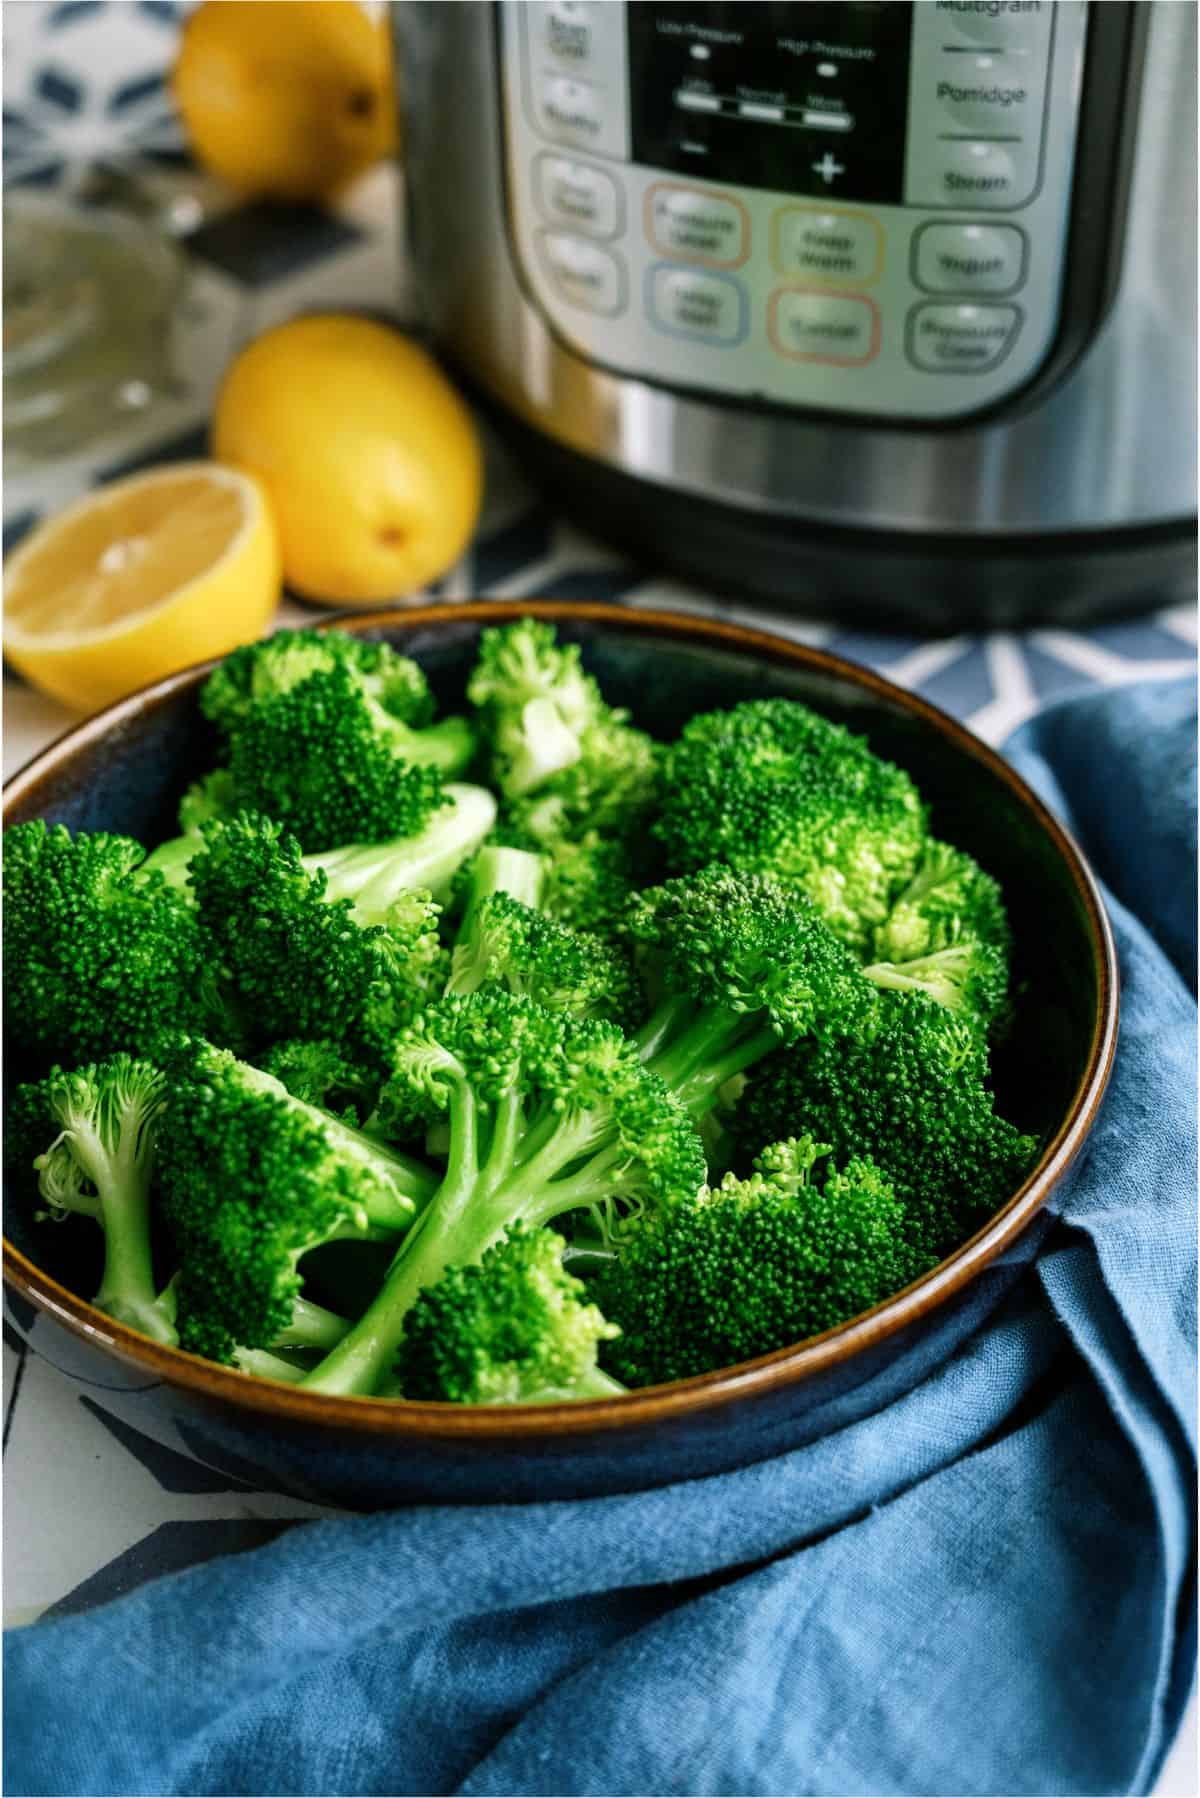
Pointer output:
139, 579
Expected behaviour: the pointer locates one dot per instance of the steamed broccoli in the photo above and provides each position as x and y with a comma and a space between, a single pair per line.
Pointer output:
373, 876
947, 934
513, 1329
503, 939
97, 1159
319, 1072
96, 958
547, 1115
291, 961
754, 1265
770, 787
566, 762
333, 737
914, 1097
737, 964
252, 1178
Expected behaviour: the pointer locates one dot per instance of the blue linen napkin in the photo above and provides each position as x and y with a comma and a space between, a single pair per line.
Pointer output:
987, 1587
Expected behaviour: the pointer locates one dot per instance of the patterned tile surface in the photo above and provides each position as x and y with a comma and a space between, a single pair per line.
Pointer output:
98, 1498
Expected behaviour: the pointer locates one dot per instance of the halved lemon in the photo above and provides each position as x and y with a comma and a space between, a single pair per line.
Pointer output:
141, 578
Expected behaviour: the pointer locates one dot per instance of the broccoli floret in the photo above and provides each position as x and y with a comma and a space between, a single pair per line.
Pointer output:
585, 883
97, 1159
96, 958
968, 977
505, 940
947, 934
251, 1179
770, 787
914, 1097
331, 736
319, 1072
535, 700
737, 964
513, 1329
547, 1115
374, 876
565, 761
754, 1265
295, 963
264, 670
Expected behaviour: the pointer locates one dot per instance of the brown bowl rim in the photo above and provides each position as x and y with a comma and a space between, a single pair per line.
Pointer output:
515, 1424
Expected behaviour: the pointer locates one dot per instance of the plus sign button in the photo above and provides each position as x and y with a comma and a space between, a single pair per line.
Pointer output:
828, 168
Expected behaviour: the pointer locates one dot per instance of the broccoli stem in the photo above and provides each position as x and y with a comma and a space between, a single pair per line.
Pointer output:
593, 1384
265, 1366
120, 1170
312, 1326
374, 875
697, 1048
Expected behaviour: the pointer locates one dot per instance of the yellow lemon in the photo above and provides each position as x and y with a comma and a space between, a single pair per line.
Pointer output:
288, 101
138, 579
371, 460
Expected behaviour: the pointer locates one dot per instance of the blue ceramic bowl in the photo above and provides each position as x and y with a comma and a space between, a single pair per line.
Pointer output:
124, 771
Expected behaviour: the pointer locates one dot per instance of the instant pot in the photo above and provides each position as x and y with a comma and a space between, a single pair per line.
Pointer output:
883, 308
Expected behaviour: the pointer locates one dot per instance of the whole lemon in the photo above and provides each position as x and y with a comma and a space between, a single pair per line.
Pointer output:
370, 458
286, 101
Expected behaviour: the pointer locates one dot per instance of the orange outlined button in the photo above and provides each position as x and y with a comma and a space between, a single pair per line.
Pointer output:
827, 244
694, 224
842, 329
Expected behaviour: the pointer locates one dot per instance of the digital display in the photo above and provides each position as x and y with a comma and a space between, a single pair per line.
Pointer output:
808, 99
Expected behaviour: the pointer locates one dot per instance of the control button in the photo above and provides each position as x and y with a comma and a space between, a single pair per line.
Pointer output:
687, 303
985, 94
697, 226
567, 30
583, 273
998, 24
967, 340
571, 110
969, 258
842, 329
577, 195
976, 173
842, 248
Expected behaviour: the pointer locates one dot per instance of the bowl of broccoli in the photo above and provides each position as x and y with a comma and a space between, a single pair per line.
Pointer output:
510, 1050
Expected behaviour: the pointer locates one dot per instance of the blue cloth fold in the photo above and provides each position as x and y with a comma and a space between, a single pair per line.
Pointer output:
987, 1587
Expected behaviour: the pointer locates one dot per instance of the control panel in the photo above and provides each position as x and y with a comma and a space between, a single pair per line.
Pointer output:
853, 207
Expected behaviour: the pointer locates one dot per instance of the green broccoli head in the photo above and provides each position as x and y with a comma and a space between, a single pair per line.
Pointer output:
586, 880
565, 761
753, 1265
770, 787
265, 670
510, 943
736, 964
295, 963
320, 1072
969, 977
914, 1097
515, 1328
97, 958
947, 935
535, 701
330, 736
252, 1178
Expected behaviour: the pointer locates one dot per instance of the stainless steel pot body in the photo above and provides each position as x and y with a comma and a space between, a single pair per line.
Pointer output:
1098, 446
